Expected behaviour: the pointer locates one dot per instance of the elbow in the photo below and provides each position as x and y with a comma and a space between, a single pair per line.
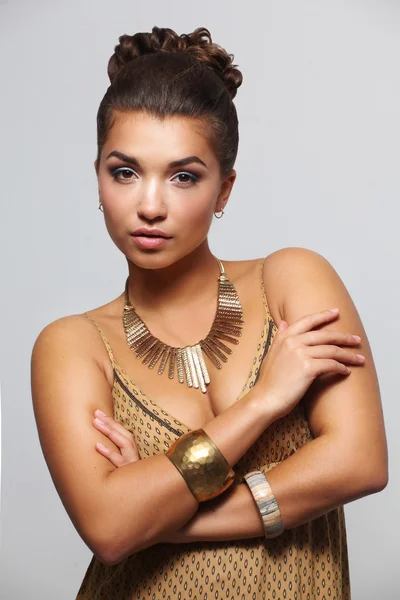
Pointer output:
367, 472
371, 481
107, 551
114, 548
379, 473
379, 481
104, 542
107, 559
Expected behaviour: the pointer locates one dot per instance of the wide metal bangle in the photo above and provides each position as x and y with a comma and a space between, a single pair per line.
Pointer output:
204, 468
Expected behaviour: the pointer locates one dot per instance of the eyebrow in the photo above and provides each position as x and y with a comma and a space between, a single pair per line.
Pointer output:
175, 163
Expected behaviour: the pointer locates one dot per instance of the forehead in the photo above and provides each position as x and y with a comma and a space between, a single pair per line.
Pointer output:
139, 132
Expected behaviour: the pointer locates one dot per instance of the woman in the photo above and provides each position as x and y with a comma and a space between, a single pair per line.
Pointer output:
254, 371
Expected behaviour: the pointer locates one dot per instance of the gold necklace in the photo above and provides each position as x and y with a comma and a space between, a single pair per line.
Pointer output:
189, 361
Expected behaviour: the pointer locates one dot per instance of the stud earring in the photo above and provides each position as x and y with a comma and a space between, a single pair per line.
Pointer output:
219, 216
101, 207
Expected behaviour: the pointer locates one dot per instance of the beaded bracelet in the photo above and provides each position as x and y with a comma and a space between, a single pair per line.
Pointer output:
266, 503
201, 464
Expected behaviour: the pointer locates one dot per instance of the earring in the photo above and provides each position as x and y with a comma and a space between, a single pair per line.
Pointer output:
220, 216
100, 207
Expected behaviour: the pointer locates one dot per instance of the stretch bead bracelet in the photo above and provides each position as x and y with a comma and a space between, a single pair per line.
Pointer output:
204, 468
266, 503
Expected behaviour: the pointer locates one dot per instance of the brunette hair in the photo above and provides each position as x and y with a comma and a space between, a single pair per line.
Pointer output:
165, 74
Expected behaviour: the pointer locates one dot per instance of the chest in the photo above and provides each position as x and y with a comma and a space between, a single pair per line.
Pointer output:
188, 404
227, 384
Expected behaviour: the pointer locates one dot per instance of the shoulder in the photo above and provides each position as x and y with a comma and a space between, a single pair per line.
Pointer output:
70, 338
293, 258
77, 327
299, 279
63, 330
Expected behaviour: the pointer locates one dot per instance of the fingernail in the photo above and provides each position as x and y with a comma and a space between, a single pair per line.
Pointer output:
100, 412
100, 445
334, 310
357, 338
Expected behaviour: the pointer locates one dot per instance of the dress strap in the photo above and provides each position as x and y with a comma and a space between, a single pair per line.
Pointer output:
264, 297
105, 340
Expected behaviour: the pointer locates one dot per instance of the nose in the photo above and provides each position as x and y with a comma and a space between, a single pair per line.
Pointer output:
151, 202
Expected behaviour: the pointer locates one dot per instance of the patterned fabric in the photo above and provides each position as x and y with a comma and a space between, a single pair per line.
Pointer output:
303, 563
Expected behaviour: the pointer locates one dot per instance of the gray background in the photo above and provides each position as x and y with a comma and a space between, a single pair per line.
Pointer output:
318, 167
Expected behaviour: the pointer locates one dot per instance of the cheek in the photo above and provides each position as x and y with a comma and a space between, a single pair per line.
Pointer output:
198, 210
117, 205
193, 222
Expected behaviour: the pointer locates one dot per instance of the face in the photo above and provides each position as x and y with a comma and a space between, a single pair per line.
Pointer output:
160, 175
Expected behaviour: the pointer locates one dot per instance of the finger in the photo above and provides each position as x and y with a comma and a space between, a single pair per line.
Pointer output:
127, 446
113, 426
325, 365
115, 436
121, 429
310, 321
339, 354
328, 336
282, 326
116, 459
111, 422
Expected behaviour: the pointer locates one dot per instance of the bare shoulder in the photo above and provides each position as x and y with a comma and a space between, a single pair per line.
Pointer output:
78, 335
69, 325
281, 269
73, 333
301, 282
64, 350
293, 273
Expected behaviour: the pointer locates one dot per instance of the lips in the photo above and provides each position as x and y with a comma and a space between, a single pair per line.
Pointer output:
150, 237
150, 233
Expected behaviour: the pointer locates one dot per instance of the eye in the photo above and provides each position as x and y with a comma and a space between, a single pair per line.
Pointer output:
116, 174
189, 179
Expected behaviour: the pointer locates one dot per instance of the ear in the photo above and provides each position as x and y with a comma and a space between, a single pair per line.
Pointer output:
226, 188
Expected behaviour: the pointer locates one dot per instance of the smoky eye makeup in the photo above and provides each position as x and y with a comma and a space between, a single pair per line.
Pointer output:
117, 173
193, 178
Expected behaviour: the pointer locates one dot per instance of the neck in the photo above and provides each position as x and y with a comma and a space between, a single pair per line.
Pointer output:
191, 278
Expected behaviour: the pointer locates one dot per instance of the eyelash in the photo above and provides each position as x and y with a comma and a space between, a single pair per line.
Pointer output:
195, 178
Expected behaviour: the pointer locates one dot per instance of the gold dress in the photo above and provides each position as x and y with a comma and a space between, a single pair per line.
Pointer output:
304, 563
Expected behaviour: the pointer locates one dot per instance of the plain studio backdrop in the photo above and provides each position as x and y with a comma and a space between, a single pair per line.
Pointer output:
318, 167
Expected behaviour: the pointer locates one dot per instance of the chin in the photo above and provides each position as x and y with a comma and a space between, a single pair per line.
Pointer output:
152, 259
157, 259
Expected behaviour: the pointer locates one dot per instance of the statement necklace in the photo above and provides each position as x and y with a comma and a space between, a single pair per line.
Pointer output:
188, 362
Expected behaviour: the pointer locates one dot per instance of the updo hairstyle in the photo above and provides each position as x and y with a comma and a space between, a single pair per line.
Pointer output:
166, 74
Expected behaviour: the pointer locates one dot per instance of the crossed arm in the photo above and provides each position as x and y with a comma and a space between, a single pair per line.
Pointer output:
344, 415
154, 504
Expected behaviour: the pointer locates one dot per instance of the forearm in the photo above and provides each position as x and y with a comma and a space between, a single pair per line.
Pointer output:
308, 484
152, 497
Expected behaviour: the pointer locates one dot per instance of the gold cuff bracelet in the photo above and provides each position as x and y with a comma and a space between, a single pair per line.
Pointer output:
204, 468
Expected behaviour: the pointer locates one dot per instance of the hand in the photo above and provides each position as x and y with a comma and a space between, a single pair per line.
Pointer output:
121, 438
298, 355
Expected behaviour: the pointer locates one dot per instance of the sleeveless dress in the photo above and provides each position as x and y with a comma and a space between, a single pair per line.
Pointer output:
303, 563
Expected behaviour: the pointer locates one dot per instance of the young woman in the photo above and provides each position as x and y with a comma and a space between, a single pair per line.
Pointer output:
237, 412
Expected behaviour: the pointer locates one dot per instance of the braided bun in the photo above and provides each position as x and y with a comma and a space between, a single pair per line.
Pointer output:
197, 44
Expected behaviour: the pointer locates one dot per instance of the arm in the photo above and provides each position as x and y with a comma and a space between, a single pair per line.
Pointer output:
153, 499
347, 459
